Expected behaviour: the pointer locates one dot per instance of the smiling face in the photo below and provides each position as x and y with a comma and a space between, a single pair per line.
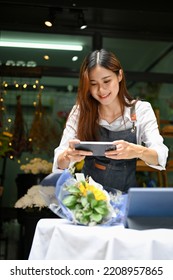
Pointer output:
104, 84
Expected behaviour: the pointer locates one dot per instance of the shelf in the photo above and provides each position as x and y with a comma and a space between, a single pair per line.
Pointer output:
162, 175
167, 135
141, 166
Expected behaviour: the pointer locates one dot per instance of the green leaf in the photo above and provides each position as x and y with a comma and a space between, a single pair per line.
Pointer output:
84, 220
70, 201
101, 202
83, 182
84, 201
73, 190
90, 196
103, 210
96, 217
78, 214
93, 203
78, 206
88, 212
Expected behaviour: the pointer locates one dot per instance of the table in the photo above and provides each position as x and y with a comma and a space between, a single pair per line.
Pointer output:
58, 239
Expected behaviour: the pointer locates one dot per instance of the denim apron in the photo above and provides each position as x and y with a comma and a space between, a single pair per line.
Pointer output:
114, 174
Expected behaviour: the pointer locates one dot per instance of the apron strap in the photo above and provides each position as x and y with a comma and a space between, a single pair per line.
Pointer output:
133, 114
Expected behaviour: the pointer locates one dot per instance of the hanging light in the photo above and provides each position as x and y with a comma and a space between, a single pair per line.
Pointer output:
81, 21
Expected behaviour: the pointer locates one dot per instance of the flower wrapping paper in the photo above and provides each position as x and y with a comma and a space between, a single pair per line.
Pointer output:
116, 201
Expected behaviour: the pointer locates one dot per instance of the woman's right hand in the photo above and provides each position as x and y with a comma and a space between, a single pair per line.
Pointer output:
72, 155
76, 155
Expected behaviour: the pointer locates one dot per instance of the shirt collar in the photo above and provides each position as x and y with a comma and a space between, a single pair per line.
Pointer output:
127, 113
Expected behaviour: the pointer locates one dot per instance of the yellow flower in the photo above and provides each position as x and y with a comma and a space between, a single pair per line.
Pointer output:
78, 166
98, 194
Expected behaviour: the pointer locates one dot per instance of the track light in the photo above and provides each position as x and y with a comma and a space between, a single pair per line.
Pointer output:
51, 18
81, 21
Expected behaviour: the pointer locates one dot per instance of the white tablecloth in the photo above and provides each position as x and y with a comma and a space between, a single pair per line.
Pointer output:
58, 239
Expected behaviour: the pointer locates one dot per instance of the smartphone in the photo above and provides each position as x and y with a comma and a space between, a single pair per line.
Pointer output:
98, 148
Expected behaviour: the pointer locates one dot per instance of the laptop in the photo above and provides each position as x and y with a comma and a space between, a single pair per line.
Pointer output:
149, 208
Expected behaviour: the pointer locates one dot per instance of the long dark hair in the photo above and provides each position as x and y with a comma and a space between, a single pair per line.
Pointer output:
88, 118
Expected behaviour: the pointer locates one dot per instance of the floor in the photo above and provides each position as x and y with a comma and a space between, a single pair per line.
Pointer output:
17, 231
9, 240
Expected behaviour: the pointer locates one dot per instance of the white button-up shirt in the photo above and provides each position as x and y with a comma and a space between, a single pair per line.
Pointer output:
147, 131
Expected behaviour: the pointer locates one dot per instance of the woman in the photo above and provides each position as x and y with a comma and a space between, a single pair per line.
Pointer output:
104, 111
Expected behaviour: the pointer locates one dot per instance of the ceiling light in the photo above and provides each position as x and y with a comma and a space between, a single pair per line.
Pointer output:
38, 41
46, 57
75, 58
36, 45
81, 21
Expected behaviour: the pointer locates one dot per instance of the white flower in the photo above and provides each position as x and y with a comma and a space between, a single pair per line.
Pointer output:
34, 190
34, 197
24, 202
37, 166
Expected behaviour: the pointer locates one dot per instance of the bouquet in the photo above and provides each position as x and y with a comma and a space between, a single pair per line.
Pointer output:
88, 202
85, 202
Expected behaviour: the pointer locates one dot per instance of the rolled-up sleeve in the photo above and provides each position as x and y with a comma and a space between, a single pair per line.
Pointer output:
68, 134
148, 133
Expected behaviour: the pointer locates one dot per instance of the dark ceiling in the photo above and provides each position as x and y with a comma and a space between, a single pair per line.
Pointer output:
115, 19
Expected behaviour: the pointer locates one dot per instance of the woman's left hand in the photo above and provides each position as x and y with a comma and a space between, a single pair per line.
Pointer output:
124, 150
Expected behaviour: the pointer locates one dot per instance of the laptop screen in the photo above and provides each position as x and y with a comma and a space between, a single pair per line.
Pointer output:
149, 208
